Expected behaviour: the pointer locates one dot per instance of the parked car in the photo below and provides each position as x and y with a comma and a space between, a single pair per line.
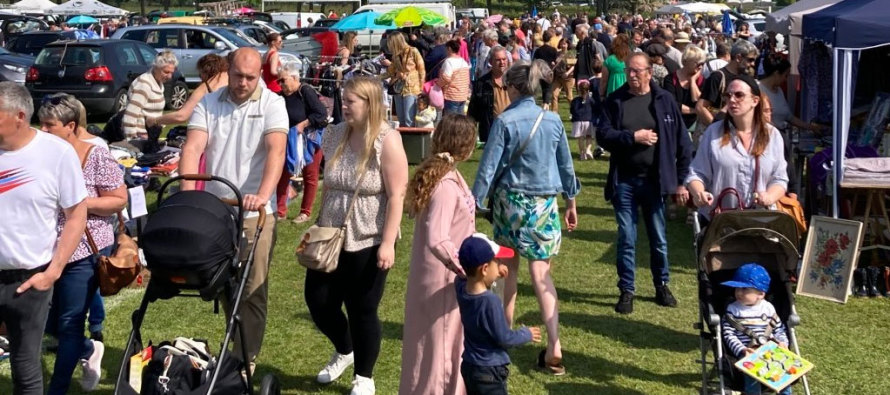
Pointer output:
31, 43
190, 43
13, 25
15, 66
98, 73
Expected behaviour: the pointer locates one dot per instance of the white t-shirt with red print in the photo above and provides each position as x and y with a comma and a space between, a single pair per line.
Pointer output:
36, 182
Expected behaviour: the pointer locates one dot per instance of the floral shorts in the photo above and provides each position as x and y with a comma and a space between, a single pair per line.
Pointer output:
528, 224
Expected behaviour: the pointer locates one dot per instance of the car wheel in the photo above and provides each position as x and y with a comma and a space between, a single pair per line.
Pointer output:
120, 101
178, 96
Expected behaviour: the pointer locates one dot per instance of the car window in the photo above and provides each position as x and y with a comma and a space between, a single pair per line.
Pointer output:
69, 56
235, 38
256, 34
22, 27
135, 35
148, 54
126, 55
198, 39
163, 38
32, 43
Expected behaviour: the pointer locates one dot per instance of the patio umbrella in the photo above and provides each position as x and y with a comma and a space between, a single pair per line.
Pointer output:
82, 20
728, 28
494, 19
361, 21
244, 10
411, 16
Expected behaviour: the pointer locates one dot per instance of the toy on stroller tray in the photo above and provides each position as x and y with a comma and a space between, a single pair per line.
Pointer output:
192, 244
732, 239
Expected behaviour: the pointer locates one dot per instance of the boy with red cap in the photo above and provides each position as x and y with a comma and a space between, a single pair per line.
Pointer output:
486, 333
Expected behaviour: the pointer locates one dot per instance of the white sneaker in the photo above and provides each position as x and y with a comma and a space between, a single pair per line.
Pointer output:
362, 386
335, 368
92, 368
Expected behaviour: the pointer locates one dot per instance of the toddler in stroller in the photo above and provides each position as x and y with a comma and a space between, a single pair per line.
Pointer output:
751, 321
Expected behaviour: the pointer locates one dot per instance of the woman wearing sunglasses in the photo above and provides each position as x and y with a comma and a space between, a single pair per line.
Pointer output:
685, 83
743, 152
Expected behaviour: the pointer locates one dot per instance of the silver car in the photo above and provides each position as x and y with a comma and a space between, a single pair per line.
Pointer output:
190, 42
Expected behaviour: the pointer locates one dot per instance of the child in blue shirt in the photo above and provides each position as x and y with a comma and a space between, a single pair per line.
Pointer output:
584, 109
486, 333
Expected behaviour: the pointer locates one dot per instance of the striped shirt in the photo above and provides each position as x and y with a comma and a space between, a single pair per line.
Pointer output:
146, 99
756, 318
455, 77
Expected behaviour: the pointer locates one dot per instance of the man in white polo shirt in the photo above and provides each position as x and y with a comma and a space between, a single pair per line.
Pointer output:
242, 131
39, 176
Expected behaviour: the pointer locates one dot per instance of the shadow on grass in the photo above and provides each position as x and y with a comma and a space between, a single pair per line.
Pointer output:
302, 384
636, 334
580, 388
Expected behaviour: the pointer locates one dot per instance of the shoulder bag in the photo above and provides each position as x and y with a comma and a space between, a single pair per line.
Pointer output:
489, 213
121, 268
319, 248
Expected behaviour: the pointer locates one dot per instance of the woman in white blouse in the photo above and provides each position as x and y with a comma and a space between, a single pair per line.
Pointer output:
731, 151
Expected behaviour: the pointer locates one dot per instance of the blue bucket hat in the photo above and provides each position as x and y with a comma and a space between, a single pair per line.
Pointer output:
750, 275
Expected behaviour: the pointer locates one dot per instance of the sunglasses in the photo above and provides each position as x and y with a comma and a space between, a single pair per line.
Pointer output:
282, 80
631, 70
751, 60
738, 95
52, 100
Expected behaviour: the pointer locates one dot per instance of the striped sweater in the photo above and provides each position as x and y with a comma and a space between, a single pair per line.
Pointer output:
756, 318
146, 99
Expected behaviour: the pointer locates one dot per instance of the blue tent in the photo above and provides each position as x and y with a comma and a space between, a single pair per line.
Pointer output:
854, 24
848, 27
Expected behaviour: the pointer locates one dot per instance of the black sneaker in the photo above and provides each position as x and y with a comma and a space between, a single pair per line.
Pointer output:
664, 297
598, 153
625, 303
97, 336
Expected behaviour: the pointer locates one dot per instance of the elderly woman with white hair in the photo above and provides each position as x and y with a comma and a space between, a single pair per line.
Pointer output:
146, 100
686, 83
305, 112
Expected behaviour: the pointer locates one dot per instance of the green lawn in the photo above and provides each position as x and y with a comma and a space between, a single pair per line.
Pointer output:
651, 351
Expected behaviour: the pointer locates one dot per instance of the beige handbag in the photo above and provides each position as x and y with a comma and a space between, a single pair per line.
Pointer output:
319, 248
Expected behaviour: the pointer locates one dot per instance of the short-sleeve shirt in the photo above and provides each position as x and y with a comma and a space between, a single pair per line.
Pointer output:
101, 173
457, 71
36, 182
235, 148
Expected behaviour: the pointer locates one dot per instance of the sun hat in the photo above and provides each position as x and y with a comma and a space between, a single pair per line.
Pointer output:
681, 38
477, 250
750, 275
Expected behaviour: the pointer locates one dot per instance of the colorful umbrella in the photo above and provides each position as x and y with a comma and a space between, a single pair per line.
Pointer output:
411, 16
494, 19
82, 20
361, 21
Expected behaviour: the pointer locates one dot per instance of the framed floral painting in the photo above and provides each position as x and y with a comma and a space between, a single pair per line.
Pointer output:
829, 258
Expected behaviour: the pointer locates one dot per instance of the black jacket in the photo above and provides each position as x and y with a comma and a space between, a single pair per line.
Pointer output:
674, 151
481, 106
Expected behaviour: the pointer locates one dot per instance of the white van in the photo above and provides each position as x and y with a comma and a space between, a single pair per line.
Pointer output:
297, 19
371, 38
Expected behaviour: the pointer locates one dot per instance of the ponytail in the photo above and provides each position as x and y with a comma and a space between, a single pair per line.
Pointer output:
526, 76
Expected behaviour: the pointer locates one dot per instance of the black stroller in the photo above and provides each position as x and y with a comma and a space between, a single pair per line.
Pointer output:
732, 239
192, 245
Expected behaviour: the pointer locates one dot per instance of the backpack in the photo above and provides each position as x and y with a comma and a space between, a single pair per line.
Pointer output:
186, 367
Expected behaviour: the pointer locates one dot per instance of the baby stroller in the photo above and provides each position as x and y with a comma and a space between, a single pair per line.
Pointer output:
732, 239
192, 245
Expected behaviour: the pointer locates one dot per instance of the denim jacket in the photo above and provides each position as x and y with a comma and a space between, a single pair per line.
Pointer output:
545, 167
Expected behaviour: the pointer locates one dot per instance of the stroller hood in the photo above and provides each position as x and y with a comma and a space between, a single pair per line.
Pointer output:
738, 237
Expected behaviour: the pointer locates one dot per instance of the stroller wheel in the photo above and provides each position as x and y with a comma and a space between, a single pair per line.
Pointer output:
270, 385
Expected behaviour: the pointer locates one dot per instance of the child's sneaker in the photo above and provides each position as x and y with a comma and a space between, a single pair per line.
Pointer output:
362, 386
335, 367
92, 367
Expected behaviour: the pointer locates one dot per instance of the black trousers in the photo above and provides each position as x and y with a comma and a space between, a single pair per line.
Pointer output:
359, 284
484, 380
25, 318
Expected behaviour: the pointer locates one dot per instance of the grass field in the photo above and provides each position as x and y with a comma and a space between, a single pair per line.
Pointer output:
651, 351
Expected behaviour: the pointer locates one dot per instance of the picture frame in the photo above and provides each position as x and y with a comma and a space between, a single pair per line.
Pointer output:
830, 256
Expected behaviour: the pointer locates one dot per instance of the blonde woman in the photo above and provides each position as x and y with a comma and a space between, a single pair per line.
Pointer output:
363, 143
442, 206
347, 48
407, 75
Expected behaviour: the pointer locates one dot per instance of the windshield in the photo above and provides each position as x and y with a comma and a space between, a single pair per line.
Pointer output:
73, 56
233, 37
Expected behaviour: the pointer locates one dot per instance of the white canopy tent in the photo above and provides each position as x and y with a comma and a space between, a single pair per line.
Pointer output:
33, 6
692, 8
87, 7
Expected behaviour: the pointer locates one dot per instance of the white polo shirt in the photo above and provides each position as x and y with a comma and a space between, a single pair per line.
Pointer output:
235, 132
36, 182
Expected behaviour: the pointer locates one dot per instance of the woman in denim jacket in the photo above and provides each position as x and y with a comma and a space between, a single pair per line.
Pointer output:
522, 185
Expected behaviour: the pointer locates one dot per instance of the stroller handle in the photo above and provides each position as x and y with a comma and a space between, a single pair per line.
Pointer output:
238, 200
261, 221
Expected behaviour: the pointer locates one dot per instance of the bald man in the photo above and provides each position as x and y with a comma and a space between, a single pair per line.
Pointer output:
242, 131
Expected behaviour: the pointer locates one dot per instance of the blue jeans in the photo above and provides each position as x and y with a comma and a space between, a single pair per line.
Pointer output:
753, 387
74, 293
97, 313
406, 109
484, 380
629, 194
453, 107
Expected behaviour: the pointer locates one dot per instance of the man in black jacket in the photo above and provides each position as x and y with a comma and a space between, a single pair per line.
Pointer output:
489, 97
651, 151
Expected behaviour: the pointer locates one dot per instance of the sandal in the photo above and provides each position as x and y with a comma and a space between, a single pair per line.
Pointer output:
301, 218
553, 367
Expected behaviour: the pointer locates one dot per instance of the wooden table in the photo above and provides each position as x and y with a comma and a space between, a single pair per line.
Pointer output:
874, 194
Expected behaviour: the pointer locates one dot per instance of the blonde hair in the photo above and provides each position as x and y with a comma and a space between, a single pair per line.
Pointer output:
369, 89
348, 41
453, 141
693, 54
82, 111
396, 43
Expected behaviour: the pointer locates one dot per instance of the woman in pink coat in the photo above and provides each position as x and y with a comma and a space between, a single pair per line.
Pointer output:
444, 212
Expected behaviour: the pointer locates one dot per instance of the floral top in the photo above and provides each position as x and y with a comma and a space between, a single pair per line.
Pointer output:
101, 173
366, 223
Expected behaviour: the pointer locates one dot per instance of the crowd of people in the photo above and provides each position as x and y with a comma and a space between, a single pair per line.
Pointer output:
681, 116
